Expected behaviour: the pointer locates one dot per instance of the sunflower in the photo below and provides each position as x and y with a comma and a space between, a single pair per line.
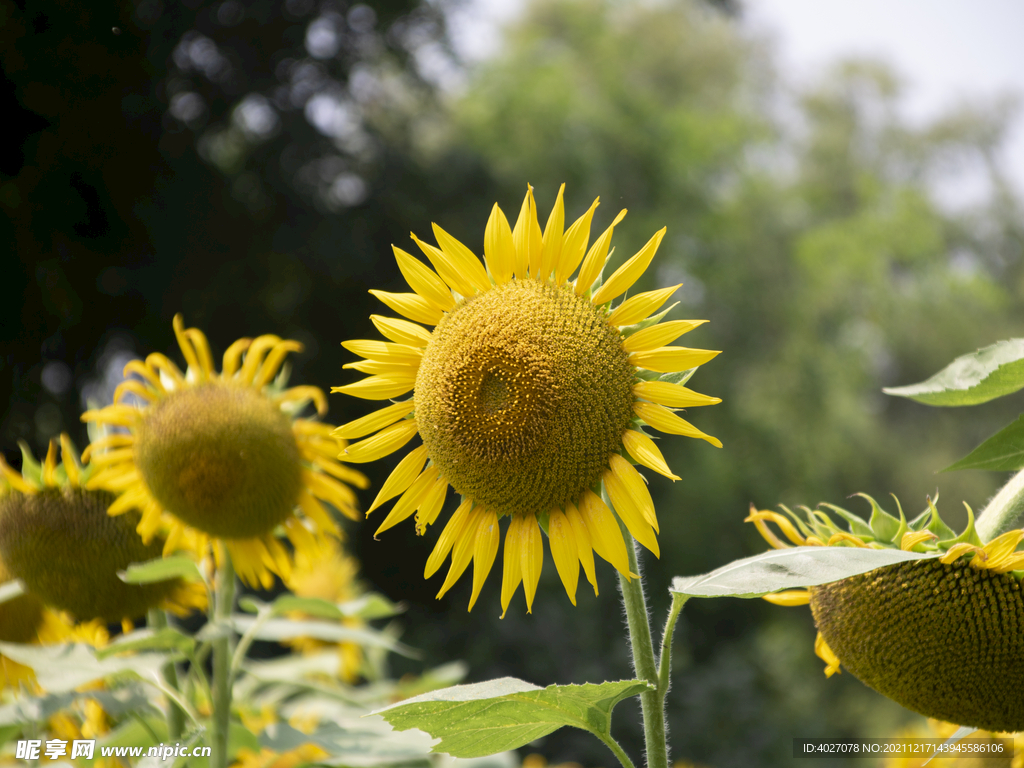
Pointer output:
56, 537
529, 394
940, 636
221, 454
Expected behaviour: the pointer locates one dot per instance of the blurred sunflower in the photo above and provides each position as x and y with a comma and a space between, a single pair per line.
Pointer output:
529, 392
942, 637
936, 729
56, 536
221, 453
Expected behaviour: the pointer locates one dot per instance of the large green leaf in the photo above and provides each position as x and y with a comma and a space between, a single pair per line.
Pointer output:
1003, 452
981, 376
161, 569
286, 629
65, 667
498, 715
788, 569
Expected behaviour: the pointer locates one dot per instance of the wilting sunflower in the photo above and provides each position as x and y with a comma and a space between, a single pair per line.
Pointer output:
56, 536
222, 455
943, 637
529, 392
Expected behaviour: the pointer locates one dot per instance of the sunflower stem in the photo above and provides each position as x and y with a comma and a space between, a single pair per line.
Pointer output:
652, 702
619, 752
223, 604
157, 620
1004, 512
665, 660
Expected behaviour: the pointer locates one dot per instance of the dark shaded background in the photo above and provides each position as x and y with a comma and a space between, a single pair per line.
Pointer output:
250, 164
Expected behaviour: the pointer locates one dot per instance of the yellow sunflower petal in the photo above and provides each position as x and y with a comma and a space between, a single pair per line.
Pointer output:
401, 477
377, 368
386, 441
304, 394
185, 343
789, 597
531, 552
410, 500
423, 280
574, 245
669, 359
630, 272
512, 572
659, 335
825, 653
551, 240
136, 388
758, 518
401, 331
430, 506
71, 465
485, 549
631, 488
462, 552
562, 541
374, 421
643, 449
636, 308
14, 479
526, 236
630, 515
233, 357
596, 257
384, 351
139, 368
411, 305
661, 418
584, 549
604, 532
378, 387
499, 250
672, 395
452, 529
465, 260
446, 267
912, 539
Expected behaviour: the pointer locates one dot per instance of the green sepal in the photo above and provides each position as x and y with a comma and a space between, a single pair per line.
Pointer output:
858, 527
628, 330
31, 469
883, 525
969, 536
544, 518
936, 525
678, 377
800, 524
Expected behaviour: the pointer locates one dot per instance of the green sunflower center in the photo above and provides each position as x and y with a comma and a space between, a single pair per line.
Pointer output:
946, 641
222, 458
523, 394
62, 544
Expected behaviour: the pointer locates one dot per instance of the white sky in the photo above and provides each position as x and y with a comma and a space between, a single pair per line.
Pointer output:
946, 51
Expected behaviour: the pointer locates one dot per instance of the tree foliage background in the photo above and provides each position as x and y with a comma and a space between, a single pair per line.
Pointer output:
250, 163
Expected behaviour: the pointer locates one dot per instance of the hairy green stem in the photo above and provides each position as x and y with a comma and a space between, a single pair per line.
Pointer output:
222, 607
157, 620
665, 661
1004, 512
613, 745
652, 702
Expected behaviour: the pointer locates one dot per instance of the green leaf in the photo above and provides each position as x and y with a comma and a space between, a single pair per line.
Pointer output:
1003, 452
65, 667
161, 569
370, 743
164, 639
368, 607
981, 376
498, 715
789, 569
284, 629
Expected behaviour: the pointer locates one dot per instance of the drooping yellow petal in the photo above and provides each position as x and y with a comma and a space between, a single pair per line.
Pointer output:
596, 257
659, 335
672, 395
562, 541
574, 245
114, 440
661, 418
631, 483
431, 505
446, 267
202, 348
378, 387
629, 272
789, 597
139, 368
273, 362
374, 421
254, 356
825, 653
120, 415
384, 351
233, 357
584, 549
499, 250
386, 441
401, 331
551, 240
643, 449
464, 259
531, 552
423, 280
410, 500
178, 323
401, 477
71, 465
604, 532
670, 359
462, 552
912, 539
1001, 547
334, 493
636, 308
303, 394
411, 305
485, 549
512, 572
759, 517
630, 515
456, 523
136, 388
526, 236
